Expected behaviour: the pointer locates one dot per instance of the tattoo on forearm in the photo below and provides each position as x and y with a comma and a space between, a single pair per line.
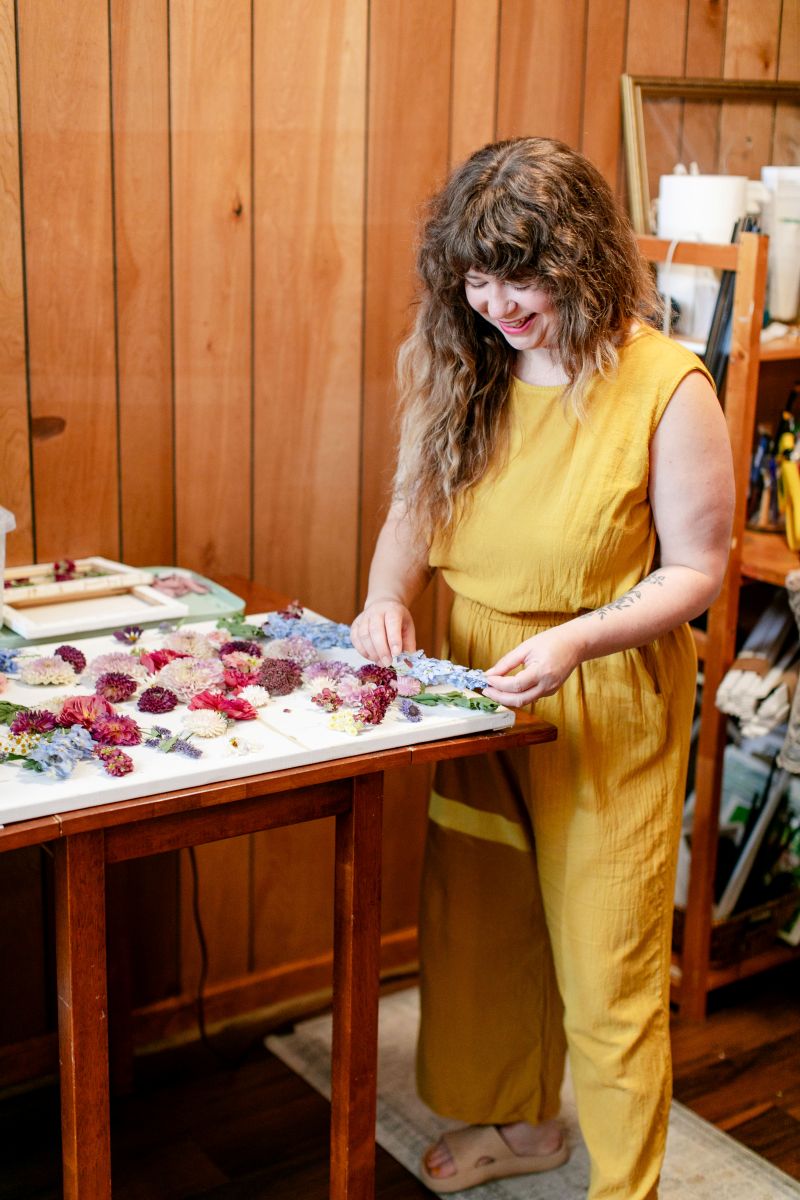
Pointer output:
628, 599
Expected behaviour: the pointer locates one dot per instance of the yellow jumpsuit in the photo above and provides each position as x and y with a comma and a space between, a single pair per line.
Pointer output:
548, 879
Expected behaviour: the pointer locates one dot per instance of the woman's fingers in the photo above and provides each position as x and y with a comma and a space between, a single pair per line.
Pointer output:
382, 631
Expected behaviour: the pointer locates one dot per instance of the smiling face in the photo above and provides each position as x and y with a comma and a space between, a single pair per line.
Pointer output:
522, 311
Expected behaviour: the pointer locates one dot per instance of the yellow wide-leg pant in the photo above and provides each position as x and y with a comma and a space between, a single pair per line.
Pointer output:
547, 907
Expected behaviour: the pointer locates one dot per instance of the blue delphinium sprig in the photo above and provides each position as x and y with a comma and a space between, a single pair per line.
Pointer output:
324, 635
57, 754
438, 670
8, 661
160, 738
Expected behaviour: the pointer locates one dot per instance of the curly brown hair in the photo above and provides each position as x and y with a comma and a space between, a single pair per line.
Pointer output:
526, 209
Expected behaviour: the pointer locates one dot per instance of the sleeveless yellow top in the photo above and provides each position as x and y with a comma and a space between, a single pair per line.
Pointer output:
565, 523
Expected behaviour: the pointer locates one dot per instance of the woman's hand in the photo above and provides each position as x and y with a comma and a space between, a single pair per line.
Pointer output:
383, 629
547, 659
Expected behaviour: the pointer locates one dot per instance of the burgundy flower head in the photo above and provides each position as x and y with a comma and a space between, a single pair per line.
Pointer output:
72, 655
241, 645
115, 686
116, 731
157, 699
280, 676
31, 721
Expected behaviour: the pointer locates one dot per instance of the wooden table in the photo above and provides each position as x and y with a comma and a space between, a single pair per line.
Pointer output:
83, 842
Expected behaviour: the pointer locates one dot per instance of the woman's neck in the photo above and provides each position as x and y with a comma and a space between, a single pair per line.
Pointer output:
541, 367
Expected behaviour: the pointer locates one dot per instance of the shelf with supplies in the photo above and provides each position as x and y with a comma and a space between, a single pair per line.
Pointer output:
755, 555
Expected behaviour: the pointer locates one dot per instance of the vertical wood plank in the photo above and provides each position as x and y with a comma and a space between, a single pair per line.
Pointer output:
66, 155
139, 78
786, 135
409, 73
656, 46
82, 1015
605, 60
473, 96
751, 52
705, 42
309, 243
542, 66
15, 478
354, 1050
210, 96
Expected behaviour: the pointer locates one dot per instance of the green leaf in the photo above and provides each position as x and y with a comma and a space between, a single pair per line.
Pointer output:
239, 628
8, 711
458, 699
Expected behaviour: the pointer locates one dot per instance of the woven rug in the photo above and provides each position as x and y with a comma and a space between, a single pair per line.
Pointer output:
702, 1163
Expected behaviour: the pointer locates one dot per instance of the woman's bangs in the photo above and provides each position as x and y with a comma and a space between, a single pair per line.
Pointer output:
492, 247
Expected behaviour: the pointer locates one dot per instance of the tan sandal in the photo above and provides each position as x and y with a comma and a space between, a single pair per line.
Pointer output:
469, 1146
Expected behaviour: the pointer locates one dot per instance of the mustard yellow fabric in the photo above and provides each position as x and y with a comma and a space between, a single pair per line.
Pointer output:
548, 878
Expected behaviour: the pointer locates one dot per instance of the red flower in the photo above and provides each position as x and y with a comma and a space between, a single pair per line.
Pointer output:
116, 731
234, 679
154, 660
84, 710
232, 707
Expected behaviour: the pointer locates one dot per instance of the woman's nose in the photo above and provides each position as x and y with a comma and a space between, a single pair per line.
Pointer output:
499, 303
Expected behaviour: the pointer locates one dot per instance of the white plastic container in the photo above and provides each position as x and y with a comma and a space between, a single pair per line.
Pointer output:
7, 523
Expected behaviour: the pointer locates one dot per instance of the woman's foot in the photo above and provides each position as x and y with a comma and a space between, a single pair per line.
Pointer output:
521, 1138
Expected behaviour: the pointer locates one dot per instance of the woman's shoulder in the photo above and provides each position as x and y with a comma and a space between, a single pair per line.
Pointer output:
650, 350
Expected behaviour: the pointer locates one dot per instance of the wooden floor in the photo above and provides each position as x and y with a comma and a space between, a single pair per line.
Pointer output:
246, 1127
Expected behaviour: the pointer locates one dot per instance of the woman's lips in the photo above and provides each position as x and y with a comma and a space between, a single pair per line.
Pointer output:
516, 328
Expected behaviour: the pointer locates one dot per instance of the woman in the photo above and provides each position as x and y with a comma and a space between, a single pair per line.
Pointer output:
567, 468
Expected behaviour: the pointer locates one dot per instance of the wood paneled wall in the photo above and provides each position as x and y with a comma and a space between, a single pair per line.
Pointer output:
207, 219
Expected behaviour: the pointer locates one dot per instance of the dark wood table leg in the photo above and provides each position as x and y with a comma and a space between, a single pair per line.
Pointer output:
82, 1015
357, 929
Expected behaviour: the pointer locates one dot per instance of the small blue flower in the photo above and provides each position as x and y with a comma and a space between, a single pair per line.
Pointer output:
324, 635
52, 761
8, 662
439, 670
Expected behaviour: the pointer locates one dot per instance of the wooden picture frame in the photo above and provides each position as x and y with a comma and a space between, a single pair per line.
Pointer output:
638, 88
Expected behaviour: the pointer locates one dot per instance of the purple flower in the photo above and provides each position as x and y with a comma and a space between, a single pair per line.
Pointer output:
373, 673
157, 699
33, 721
410, 710
130, 634
244, 647
115, 686
72, 655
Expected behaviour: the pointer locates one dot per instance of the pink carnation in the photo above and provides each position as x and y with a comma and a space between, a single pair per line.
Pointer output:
84, 710
232, 707
154, 660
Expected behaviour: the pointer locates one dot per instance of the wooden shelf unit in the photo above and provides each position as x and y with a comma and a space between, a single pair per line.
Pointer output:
754, 555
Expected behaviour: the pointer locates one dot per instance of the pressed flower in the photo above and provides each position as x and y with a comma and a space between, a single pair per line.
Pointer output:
9, 664
346, 722
160, 738
327, 699
237, 745
188, 676
241, 646
325, 635
280, 676
374, 673
46, 671
205, 723
84, 710
116, 731
154, 660
130, 634
157, 699
232, 707
117, 660
331, 669
292, 612
439, 670
255, 694
299, 649
32, 720
64, 569
75, 657
237, 660
115, 686
407, 685
189, 641
115, 761
374, 704
410, 710
235, 680
18, 744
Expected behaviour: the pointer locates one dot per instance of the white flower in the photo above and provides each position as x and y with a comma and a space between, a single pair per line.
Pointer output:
205, 723
255, 694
